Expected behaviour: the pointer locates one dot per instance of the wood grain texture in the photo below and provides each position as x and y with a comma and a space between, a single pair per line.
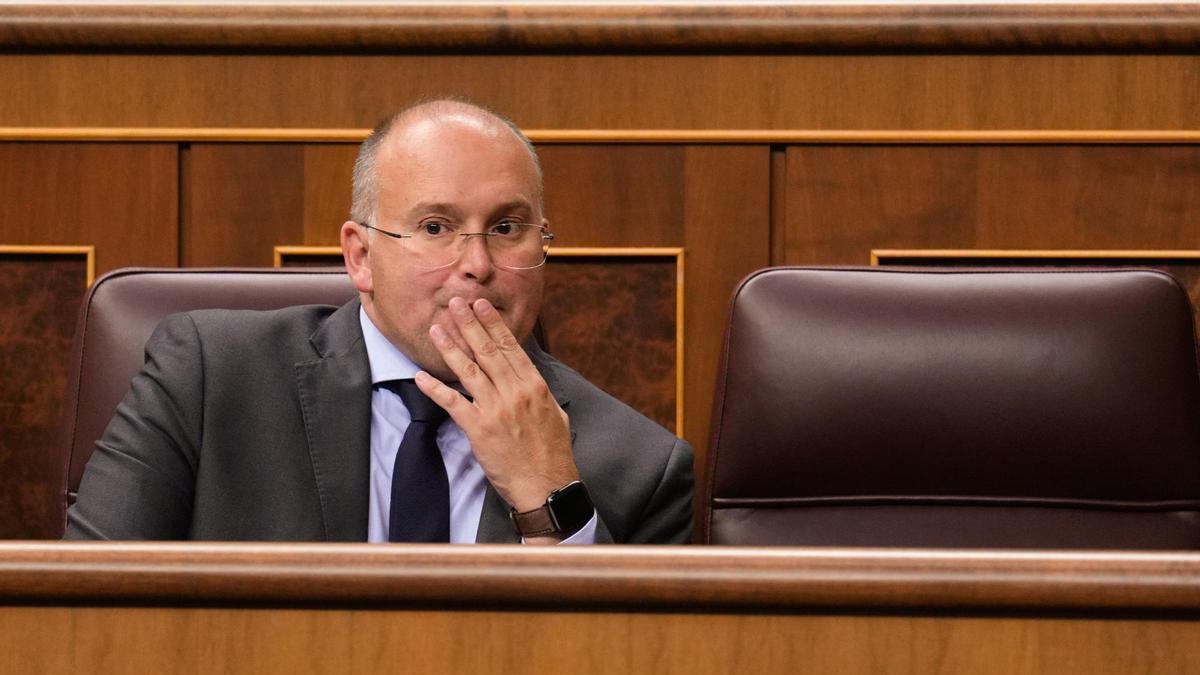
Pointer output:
613, 320
119, 197
39, 298
328, 26
844, 201
704, 91
244, 199
621, 136
727, 235
230, 640
637, 578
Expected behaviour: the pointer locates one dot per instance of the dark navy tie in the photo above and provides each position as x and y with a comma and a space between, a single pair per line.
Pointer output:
420, 491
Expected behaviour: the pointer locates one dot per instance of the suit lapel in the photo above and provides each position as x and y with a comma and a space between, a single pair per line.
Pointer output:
335, 400
494, 524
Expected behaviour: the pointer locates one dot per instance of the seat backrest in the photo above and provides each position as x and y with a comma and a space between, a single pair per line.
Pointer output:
120, 312
966, 408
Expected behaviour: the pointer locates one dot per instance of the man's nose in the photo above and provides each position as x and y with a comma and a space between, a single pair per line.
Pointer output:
476, 260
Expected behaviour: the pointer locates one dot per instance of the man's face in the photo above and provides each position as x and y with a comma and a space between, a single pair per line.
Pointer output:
448, 170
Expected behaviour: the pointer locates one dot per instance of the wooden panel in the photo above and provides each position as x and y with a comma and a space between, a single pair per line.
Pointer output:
328, 171
951, 91
844, 201
39, 297
364, 608
119, 197
242, 199
139, 640
727, 236
614, 195
719, 26
613, 319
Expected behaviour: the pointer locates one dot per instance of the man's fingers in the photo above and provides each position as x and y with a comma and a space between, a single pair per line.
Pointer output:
504, 340
469, 373
454, 403
487, 350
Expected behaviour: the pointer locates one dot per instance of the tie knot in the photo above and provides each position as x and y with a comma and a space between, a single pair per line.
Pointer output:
420, 407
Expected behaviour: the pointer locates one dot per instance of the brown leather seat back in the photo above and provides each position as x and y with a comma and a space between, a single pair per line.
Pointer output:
972, 408
120, 312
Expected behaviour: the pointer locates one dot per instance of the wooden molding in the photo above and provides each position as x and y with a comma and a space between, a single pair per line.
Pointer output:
879, 255
576, 252
302, 251
626, 136
599, 27
637, 578
88, 252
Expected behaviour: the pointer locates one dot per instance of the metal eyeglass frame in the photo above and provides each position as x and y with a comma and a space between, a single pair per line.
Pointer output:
545, 236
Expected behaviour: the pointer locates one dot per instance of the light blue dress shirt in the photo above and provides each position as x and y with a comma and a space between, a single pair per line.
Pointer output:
389, 420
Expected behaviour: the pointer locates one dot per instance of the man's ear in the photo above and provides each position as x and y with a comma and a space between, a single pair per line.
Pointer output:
355, 251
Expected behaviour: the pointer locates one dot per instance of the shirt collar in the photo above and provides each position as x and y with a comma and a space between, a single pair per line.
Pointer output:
387, 361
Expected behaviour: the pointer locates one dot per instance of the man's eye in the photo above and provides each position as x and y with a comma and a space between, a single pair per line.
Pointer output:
507, 228
432, 228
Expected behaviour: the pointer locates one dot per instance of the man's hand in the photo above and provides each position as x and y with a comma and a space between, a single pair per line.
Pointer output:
518, 432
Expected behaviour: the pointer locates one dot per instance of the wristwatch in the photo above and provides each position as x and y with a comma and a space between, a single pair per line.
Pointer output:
566, 510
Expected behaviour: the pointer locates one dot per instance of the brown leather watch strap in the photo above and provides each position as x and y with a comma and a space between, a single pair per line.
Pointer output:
535, 523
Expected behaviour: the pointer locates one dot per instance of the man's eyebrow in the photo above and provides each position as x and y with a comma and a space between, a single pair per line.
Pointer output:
515, 204
436, 207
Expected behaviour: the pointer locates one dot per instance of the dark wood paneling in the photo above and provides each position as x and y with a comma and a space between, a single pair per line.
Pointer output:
121, 198
726, 26
38, 299
727, 236
243, 199
843, 201
922, 92
328, 171
614, 195
613, 320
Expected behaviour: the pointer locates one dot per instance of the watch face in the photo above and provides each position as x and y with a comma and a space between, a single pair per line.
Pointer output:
570, 507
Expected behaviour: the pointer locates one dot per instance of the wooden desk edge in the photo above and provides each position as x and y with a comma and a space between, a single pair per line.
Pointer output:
597, 578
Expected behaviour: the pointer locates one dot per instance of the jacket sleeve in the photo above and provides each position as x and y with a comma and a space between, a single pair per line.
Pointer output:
667, 518
140, 480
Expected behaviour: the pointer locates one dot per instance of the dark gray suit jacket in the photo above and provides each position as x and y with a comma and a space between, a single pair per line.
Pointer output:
256, 426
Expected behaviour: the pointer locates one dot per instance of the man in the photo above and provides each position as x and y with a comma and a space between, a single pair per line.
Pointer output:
322, 423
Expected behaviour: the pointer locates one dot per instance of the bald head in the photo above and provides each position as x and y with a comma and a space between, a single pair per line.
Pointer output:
419, 119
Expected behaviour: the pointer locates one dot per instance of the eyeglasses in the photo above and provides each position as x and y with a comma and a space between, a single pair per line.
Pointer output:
512, 244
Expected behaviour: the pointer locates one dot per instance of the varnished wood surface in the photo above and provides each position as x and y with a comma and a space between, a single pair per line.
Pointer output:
140, 640
601, 27
623, 136
40, 290
842, 202
272, 608
636, 578
928, 92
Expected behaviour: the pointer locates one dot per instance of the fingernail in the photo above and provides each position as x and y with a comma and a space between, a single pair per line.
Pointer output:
459, 306
482, 306
437, 333
421, 376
